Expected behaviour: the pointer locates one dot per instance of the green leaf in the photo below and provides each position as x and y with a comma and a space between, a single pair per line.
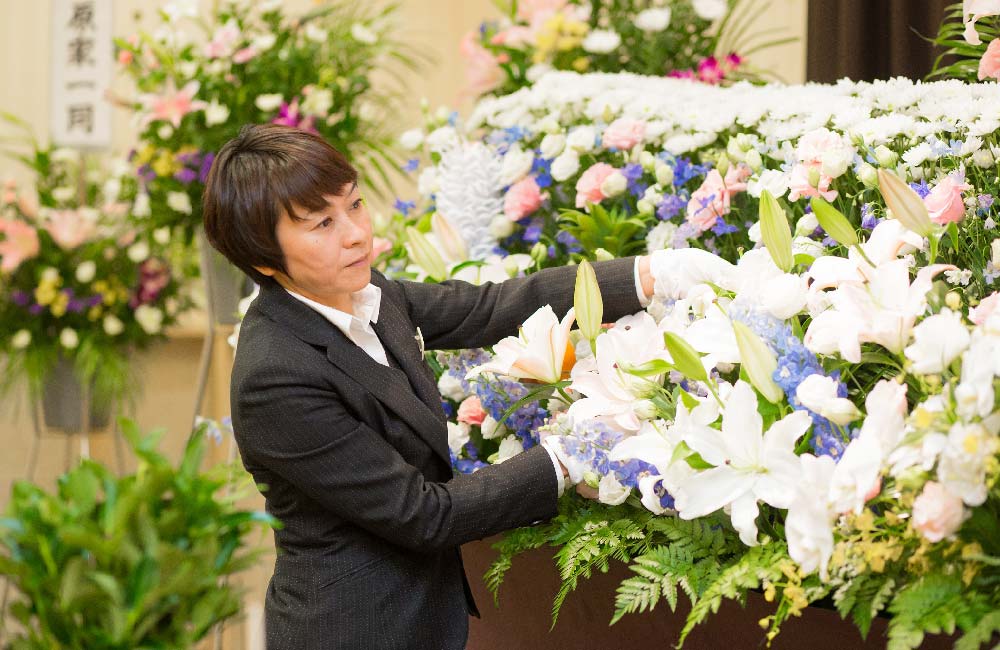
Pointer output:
775, 231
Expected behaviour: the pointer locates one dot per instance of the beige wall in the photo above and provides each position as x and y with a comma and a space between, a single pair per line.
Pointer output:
169, 369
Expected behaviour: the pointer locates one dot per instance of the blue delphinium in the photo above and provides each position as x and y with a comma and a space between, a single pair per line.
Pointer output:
497, 395
795, 363
670, 206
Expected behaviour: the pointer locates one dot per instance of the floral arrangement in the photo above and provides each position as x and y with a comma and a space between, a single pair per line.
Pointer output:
965, 54
703, 40
808, 405
77, 282
583, 166
254, 64
813, 429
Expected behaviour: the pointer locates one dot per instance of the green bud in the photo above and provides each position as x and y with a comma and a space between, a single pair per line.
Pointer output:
775, 232
664, 174
834, 222
423, 253
814, 176
602, 255
754, 161
758, 362
686, 359
723, 165
906, 205
868, 176
647, 160
539, 252
885, 156
587, 301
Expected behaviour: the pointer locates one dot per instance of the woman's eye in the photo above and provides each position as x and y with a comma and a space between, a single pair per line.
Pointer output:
325, 222
357, 204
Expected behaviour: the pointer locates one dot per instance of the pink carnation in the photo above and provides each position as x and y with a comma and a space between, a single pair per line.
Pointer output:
713, 199
989, 65
987, 307
20, 243
470, 411
522, 199
588, 188
945, 202
624, 134
244, 55
799, 185
937, 513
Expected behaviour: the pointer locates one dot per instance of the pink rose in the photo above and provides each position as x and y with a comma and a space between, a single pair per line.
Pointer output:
713, 199
623, 134
588, 188
944, 203
800, 184
380, 245
987, 307
20, 243
125, 57
482, 72
470, 411
989, 65
937, 513
817, 142
522, 199
70, 228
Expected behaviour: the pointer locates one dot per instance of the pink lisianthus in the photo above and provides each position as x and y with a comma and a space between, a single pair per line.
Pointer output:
69, 228
710, 72
816, 143
682, 74
244, 55
713, 199
732, 62
20, 243
987, 307
522, 199
937, 513
223, 41
800, 185
380, 245
945, 203
470, 411
514, 36
588, 188
173, 104
529, 10
989, 65
482, 72
624, 134
289, 115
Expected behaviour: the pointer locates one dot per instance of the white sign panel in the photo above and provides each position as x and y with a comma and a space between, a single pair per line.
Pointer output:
82, 52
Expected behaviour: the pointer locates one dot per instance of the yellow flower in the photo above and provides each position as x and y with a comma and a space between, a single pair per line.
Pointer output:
769, 591
581, 64
795, 595
59, 304
165, 164
94, 312
45, 294
145, 154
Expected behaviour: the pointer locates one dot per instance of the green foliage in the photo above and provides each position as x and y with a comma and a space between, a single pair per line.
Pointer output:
960, 59
863, 598
109, 563
688, 560
933, 604
984, 631
613, 230
746, 571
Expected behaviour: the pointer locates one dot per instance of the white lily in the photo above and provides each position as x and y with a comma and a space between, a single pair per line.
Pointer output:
937, 341
882, 310
537, 353
610, 391
751, 465
809, 523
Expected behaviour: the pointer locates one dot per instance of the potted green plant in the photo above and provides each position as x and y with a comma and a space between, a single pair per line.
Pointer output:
140, 561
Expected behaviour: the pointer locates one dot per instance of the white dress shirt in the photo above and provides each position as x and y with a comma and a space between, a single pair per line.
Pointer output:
357, 327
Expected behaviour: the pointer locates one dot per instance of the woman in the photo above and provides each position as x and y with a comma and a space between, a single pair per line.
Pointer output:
337, 415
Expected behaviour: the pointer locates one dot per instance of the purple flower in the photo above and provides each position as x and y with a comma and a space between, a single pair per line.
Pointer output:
723, 228
206, 165
186, 175
403, 207
670, 206
35, 310
20, 298
411, 165
921, 188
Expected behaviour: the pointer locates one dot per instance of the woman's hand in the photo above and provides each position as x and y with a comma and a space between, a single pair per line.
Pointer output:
646, 277
586, 491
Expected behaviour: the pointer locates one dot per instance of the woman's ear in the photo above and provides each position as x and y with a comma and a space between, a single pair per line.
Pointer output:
266, 270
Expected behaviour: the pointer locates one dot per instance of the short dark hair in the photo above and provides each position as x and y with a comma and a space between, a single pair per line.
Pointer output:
266, 170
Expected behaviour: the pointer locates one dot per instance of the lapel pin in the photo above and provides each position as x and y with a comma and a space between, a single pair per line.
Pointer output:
420, 340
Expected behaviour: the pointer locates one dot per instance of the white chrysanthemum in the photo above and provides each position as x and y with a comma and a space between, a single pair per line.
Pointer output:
653, 20
601, 41
469, 194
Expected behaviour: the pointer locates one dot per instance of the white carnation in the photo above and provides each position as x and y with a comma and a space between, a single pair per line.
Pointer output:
150, 318
653, 20
601, 41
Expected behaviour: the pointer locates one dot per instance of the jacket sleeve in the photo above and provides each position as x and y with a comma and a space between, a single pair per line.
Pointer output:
456, 314
300, 430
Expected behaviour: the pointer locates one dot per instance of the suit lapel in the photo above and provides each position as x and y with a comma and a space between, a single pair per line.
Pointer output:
389, 385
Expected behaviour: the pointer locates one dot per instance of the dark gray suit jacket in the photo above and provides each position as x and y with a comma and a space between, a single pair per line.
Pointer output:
354, 457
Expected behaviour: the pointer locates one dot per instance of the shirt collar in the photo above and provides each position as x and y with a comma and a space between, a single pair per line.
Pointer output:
366, 308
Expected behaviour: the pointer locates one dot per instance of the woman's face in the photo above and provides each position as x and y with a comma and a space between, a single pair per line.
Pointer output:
327, 252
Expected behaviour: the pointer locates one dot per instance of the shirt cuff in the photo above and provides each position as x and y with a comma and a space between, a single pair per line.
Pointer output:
643, 300
560, 480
